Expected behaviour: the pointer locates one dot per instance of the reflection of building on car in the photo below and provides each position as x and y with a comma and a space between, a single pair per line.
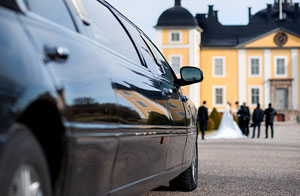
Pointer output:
88, 104
253, 63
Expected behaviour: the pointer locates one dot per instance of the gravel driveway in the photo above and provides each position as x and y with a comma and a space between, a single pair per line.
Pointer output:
248, 166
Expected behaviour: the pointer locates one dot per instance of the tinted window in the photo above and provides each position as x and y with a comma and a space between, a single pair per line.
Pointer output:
135, 34
161, 62
108, 31
54, 10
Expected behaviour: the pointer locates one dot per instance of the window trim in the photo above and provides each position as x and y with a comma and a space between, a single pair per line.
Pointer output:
224, 66
250, 66
81, 11
152, 47
170, 36
180, 62
250, 87
116, 14
43, 19
214, 96
285, 66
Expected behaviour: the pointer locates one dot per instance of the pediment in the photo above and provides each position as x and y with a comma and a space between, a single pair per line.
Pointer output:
277, 38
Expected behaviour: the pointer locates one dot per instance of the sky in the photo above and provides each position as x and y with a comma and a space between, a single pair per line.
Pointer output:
145, 13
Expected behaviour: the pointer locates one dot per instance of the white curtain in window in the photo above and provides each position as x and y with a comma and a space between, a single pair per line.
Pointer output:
280, 63
175, 63
255, 66
218, 66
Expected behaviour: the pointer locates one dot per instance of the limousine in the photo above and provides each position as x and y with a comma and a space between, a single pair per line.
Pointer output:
88, 104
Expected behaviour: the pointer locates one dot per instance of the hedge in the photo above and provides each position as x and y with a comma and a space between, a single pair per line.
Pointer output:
216, 117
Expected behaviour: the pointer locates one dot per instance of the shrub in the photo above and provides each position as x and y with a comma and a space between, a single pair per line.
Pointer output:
158, 119
216, 117
210, 124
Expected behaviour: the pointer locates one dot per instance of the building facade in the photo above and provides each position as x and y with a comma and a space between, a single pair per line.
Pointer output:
254, 63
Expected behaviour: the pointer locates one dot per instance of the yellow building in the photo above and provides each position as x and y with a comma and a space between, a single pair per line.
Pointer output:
254, 63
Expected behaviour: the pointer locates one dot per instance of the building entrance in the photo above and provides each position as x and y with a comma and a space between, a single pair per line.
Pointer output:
282, 98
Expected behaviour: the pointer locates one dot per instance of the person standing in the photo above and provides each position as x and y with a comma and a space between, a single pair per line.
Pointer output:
240, 115
243, 118
247, 118
203, 118
237, 105
270, 115
257, 118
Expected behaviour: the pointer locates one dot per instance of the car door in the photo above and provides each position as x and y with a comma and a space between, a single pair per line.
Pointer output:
80, 70
143, 143
174, 99
191, 123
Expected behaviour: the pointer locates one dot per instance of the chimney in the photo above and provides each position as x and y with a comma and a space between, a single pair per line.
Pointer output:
177, 2
297, 12
201, 16
269, 12
216, 14
210, 11
296, 7
249, 13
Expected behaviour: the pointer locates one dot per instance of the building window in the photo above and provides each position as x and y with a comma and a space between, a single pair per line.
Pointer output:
172, 105
125, 92
254, 66
254, 95
219, 95
142, 104
175, 36
219, 66
175, 61
281, 67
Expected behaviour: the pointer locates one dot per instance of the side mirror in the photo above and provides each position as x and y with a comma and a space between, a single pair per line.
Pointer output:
190, 75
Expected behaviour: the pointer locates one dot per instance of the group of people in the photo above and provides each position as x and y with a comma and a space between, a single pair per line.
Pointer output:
228, 127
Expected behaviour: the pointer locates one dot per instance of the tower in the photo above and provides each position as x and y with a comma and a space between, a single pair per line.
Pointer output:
178, 36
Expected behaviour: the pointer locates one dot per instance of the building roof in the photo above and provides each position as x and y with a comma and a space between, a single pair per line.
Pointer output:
217, 35
176, 16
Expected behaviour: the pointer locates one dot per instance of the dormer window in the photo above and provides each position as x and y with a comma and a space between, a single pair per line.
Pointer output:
284, 15
175, 36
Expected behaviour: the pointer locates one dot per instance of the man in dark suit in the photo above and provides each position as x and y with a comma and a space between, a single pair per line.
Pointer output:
247, 118
244, 119
203, 118
270, 115
257, 118
240, 115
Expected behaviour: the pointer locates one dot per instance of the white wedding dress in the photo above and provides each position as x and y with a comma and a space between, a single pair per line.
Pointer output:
228, 128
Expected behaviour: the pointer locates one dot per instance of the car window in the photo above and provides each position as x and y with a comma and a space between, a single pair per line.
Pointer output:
161, 62
108, 30
136, 36
54, 10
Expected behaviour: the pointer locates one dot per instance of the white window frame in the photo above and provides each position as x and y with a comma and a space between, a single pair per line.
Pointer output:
250, 66
224, 66
214, 96
180, 61
285, 66
250, 94
170, 36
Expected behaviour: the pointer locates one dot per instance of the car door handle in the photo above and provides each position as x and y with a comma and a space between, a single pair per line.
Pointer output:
184, 98
167, 92
59, 54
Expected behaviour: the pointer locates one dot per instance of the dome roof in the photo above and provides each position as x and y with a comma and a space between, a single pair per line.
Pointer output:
272, 13
176, 16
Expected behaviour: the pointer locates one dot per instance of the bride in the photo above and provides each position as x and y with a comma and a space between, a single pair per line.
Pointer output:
228, 127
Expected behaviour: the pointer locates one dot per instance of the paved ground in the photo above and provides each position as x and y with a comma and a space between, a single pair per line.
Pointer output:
248, 166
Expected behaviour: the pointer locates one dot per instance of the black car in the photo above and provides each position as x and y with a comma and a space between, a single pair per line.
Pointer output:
88, 104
